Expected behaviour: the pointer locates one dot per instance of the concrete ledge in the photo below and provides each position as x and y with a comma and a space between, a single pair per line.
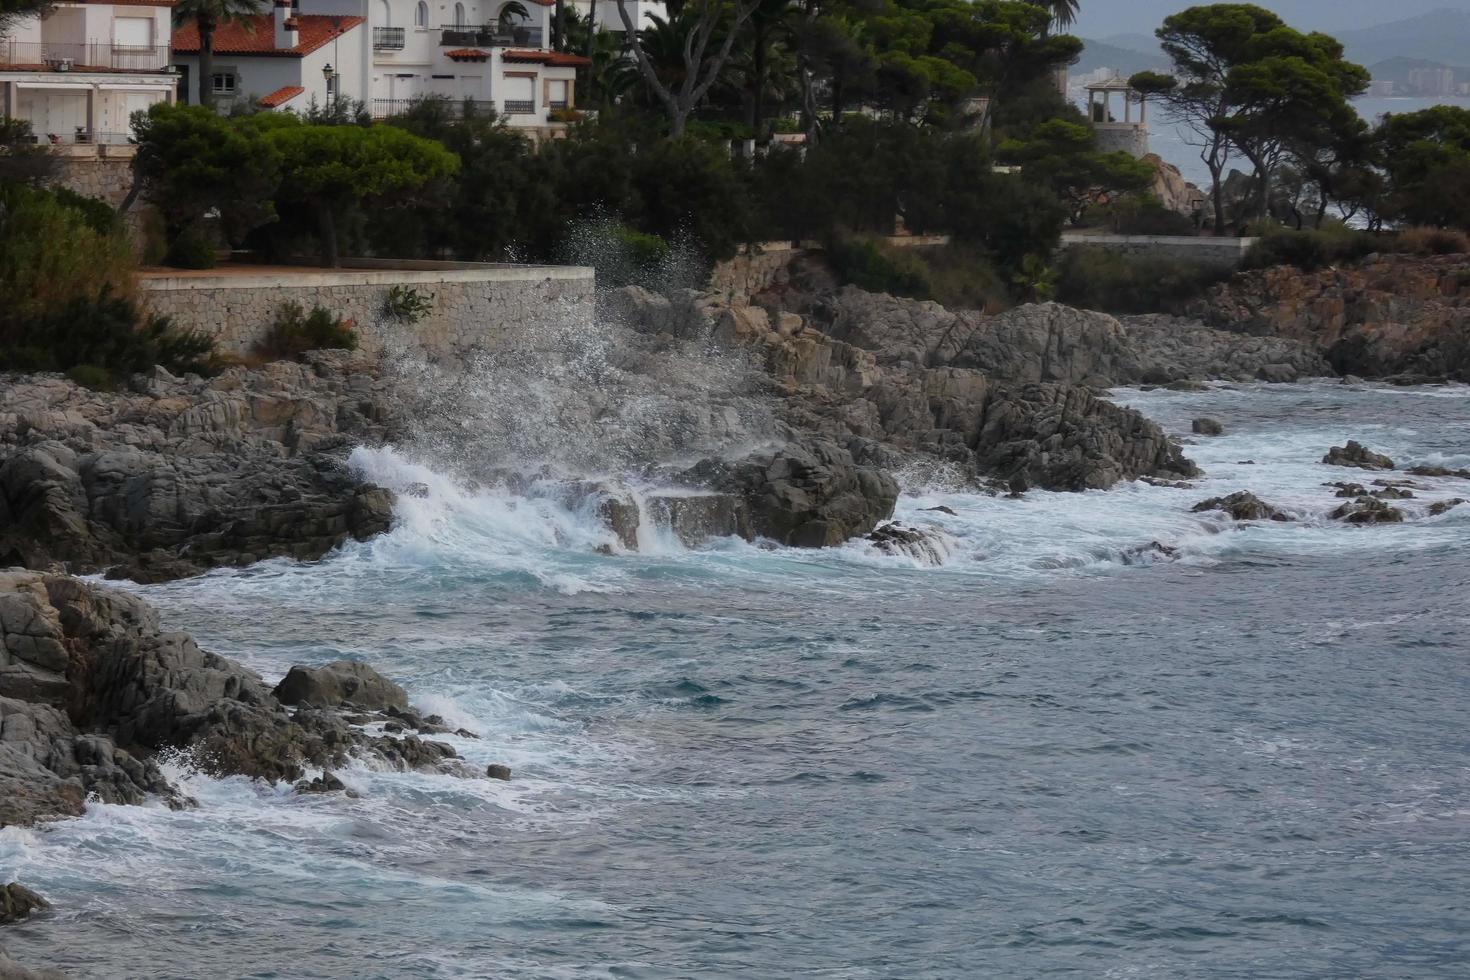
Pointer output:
358, 274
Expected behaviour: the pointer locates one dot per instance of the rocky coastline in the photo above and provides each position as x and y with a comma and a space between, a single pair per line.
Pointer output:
831, 391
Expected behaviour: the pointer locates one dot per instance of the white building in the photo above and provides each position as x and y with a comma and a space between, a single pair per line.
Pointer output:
606, 16
78, 73
386, 53
280, 60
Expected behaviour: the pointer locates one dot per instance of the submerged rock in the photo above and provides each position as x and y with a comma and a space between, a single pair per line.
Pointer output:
1355, 454
1206, 427
497, 771
1149, 554
18, 902
1368, 510
924, 546
1242, 506
1439, 471
1444, 506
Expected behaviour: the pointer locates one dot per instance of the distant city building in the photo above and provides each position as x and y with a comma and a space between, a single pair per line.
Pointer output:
1381, 89
1432, 81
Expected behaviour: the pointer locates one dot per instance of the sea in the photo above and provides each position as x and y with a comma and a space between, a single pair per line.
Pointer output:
1107, 736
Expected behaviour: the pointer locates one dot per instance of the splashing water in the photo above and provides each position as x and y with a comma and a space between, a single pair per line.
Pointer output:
1060, 752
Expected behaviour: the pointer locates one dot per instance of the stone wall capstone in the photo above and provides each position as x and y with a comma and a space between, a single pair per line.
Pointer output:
471, 306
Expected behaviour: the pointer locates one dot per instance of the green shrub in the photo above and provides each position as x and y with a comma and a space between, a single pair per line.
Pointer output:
1098, 279
870, 264
51, 255
192, 249
1310, 250
407, 304
1140, 216
621, 255
963, 278
1431, 241
92, 376
105, 333
99, 215
295, 332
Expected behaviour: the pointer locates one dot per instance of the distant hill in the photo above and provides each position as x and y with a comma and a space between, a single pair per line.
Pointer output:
1439, 36
1397, 70
1101, 54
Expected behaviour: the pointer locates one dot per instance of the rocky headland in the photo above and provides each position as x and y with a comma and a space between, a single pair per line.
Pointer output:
1388, 316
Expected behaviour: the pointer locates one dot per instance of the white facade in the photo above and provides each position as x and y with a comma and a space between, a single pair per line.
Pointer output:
477, 50
77, 74
607, 17
281, 61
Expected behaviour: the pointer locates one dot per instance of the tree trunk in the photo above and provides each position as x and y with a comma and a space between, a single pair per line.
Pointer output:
1217, 196
558, 26
327, 231
758, 93
206, 63
836, 99
677, 119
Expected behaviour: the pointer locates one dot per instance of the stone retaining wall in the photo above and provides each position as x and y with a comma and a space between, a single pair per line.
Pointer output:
105, 179
1210, 251
473, 305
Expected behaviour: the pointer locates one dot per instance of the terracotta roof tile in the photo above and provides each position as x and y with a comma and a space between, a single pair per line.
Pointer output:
468, 54
280, 96
553, 59
259, 38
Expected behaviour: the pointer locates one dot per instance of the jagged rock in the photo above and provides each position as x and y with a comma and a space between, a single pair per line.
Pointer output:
340, 683
1386, 315
1242, 506
1206, 427
1444, 506
1352, 490
497, 771
806, 496
1368, 510
695, 518
927, 547
129, 690
187, 474
327, 782
1438, 471
1355, 454
18, 902
941, 509
1393, 493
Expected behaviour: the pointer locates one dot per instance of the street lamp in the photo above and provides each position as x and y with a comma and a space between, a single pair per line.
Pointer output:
330, 74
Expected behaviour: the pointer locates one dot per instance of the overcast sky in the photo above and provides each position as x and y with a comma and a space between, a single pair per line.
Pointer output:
1101, 18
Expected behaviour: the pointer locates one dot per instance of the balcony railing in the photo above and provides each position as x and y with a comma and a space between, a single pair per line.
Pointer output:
519, 107
383, 108
388, 38
82, 56
83, 138
459, 36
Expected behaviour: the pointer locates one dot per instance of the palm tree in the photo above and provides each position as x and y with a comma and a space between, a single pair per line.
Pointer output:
1063, 12
209, 15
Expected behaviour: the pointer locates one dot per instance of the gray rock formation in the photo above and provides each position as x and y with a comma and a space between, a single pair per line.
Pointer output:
1206, 427
343, 683
1368, 510
18, 902
187, 474
1242, 506
878, 377
1358, 456
91, 688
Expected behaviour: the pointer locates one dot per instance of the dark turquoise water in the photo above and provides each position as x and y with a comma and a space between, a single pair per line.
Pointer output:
1037, 760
